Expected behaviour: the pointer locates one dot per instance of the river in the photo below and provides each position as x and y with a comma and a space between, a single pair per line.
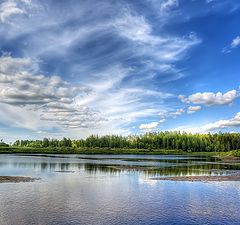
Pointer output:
116, 189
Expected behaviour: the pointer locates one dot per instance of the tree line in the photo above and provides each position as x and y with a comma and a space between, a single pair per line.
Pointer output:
218, 142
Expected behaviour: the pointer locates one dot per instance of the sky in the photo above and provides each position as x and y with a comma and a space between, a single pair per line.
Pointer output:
75, 68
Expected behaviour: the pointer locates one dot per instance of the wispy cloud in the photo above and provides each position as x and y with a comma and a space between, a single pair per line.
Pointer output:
84, 106
167, 5
234, 44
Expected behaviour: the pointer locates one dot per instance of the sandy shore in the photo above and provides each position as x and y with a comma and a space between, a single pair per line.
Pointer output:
232, 177
16, 179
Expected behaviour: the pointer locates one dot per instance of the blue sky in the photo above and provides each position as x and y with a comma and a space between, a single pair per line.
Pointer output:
74, 68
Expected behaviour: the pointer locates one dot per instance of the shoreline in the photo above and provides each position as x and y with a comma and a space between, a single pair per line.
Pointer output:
229, 155
224, 157
208, 178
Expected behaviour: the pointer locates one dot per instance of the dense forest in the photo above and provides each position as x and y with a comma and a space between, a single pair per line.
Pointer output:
163, 140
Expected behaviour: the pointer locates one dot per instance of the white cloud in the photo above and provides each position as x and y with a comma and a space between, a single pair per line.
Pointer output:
176, 113
234, 44
9, 8
116, 101
213, 126
135, 28
151, 126
193, 109
117, 95
148, 126
209, 1
20, 117
210, 98
162, 50
166, 114
167, 5
162, 120
220, 124
167, 9
18, 86
52, 98
100, 105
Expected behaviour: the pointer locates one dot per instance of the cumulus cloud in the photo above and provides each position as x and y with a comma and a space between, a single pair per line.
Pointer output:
169, 114
51, 96
148, 126
193, 109
210, 98
151, 126
20, 87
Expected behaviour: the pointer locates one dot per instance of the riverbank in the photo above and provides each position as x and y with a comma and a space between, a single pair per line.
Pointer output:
230, 177
225, 156
83, 150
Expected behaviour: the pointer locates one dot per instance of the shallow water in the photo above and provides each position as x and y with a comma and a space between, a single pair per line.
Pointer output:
107, 189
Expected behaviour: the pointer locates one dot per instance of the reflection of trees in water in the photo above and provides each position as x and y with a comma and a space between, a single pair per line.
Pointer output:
51, 167
175, 160
204, 169
96, 168
169, 167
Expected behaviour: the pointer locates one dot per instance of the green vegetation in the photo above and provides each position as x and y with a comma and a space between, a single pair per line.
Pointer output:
86, 150
221, 142
150, 143
2, 144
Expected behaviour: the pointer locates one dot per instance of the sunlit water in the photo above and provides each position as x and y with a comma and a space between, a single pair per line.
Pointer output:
107, 189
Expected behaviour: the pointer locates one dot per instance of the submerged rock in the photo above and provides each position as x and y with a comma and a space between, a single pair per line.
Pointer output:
16, 179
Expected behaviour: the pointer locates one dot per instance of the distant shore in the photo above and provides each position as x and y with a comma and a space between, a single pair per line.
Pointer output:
230, 156
88, 150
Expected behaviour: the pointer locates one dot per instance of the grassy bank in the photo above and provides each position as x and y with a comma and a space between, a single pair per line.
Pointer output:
68, 150
228, 154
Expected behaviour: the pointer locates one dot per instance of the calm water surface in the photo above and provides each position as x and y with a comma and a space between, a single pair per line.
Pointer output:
107, 189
